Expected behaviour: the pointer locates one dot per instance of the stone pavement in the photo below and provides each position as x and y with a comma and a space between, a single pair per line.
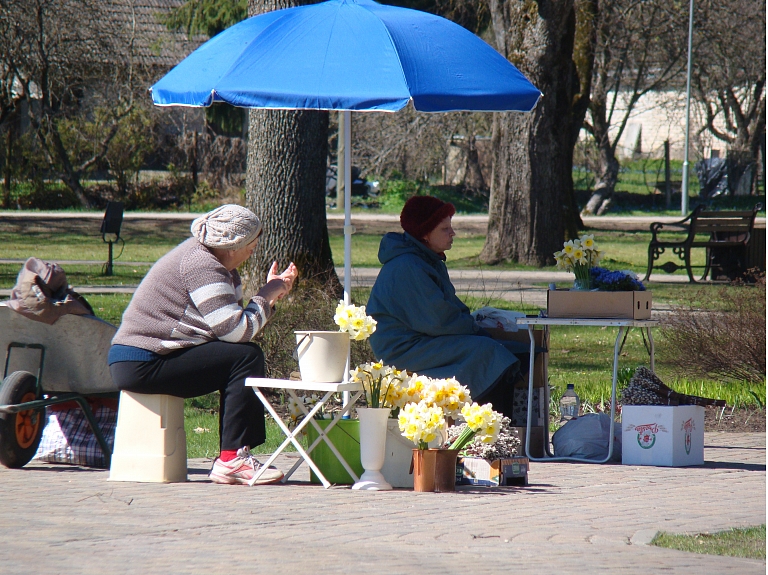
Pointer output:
571, 518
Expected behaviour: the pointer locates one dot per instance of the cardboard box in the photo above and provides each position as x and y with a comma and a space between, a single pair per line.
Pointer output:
668, 436
599, 304
519, 416
501, 472
520, 391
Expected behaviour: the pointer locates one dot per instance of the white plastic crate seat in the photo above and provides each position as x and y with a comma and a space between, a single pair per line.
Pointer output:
150, 442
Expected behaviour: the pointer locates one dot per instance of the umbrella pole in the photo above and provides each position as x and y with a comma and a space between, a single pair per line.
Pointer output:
346, 139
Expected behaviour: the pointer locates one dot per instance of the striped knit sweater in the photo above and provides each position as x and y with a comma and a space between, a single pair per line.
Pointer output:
188, 298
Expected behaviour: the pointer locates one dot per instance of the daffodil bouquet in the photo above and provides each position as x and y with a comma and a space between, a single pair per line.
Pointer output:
420, 422
447, 394
579, 256
382, 383
353, 320
482, 422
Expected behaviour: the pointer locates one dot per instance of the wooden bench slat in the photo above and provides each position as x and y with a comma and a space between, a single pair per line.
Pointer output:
707, 229
729, 214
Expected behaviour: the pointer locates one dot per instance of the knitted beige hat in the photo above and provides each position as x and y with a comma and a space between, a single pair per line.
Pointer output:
228, 227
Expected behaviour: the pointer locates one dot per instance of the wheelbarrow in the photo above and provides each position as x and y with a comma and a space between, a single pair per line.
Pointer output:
48, 365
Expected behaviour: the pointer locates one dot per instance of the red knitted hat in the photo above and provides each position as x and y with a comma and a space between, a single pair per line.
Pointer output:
422, 214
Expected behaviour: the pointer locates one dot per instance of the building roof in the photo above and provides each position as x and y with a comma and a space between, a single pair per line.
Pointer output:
154, 45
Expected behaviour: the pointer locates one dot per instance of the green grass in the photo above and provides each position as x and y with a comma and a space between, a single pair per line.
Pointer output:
623, 250
202, 429
748, 543
55, 245
109, 307
584, 356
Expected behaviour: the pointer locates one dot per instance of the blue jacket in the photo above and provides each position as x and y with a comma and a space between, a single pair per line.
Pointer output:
422, 325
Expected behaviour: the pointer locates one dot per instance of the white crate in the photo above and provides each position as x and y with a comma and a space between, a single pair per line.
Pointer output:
669, 436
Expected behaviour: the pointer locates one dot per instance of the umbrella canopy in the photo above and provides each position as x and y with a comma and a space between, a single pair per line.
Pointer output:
347, 55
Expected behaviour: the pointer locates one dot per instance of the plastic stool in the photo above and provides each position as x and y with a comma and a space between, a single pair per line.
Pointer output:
150, 442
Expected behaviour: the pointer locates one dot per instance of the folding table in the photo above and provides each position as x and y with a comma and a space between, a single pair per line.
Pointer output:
623, 325
292, 387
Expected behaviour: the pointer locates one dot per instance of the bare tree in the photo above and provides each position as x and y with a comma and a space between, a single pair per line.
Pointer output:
532, 162
72, 57
729, 79
285, 185
413, 144
584, 43
640, 48
10, 97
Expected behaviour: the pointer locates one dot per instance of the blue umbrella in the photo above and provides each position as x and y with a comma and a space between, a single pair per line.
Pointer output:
347, 55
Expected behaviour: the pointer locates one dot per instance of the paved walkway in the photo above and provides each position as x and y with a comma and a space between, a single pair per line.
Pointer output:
572, 518
528, 287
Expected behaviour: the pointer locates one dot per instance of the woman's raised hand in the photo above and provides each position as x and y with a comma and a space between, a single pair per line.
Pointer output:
288, 276
278, 285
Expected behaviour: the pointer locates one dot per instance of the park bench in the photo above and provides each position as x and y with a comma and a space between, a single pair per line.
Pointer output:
723, 234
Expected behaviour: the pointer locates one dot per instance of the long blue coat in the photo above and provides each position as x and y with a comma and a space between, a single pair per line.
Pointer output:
422, 325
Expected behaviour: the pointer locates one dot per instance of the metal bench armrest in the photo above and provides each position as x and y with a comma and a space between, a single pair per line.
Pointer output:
686, 224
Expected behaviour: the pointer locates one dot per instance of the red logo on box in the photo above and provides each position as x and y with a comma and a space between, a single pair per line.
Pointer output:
646, 434
688, 426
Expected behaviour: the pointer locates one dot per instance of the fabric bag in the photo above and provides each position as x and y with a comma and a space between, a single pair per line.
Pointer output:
68, 438
587, 437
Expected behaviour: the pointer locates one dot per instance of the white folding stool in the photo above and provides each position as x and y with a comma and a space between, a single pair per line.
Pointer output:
309, 417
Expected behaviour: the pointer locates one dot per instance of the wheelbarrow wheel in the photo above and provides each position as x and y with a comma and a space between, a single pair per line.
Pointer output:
20, 432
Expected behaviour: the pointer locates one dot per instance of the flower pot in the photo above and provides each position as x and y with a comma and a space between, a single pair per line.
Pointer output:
399, 455
373, 438
345, 436
322, 355
434, 470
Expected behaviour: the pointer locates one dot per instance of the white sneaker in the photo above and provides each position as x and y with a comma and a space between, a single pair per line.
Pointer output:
241, 470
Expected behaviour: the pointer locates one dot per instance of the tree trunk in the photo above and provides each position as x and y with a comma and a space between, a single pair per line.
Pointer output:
605, 184
532, 152
585, 39
608, 166
285, 183
473, 178
6, 203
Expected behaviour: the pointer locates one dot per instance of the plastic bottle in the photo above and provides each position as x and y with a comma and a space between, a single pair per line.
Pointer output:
569, 404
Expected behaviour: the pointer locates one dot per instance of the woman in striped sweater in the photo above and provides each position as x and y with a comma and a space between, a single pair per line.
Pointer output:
186, 333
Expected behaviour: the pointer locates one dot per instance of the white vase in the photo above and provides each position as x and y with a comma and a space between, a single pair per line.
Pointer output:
373, 437
322, 355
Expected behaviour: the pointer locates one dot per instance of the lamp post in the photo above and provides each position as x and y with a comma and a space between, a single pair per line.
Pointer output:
684, 187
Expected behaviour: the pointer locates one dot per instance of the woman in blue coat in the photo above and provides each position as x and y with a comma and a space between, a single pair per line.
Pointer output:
422, 326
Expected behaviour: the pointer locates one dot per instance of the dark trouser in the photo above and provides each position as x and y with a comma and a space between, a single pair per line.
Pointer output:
204, 369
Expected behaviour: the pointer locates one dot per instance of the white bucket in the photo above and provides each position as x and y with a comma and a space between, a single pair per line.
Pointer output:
322, 355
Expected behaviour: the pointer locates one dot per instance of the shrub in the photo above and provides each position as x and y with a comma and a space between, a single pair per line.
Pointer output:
396, 191
45, 196
722, 336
